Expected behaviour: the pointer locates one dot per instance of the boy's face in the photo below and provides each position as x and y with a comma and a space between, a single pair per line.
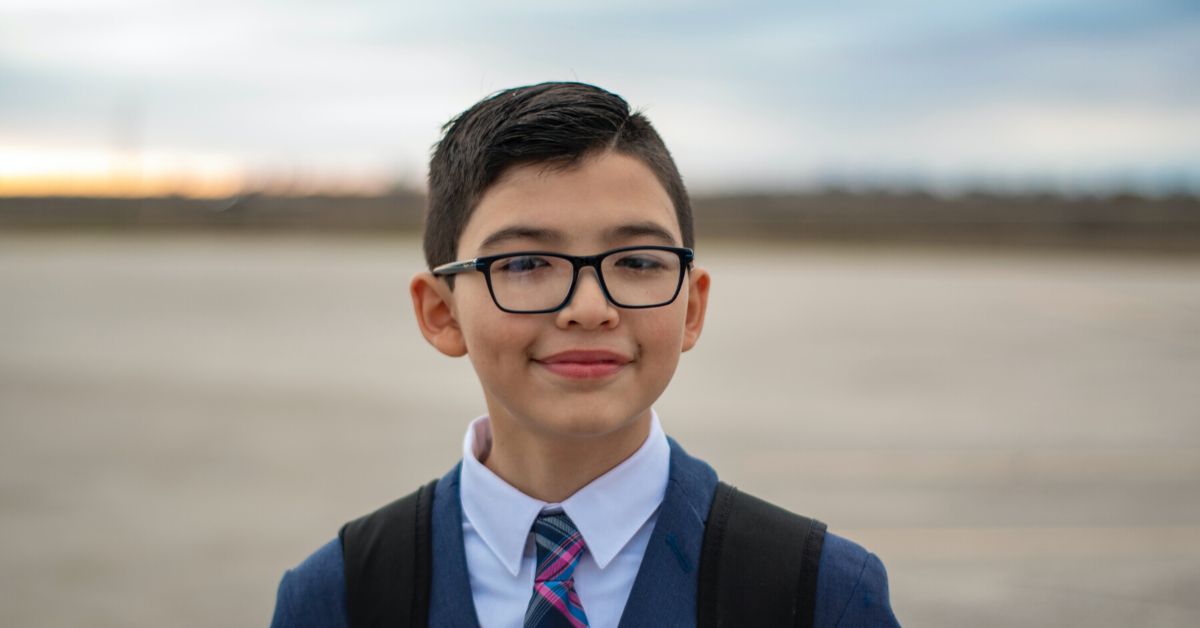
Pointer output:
607, 201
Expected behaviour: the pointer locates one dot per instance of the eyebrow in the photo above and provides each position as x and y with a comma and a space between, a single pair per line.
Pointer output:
520, 232
646, 229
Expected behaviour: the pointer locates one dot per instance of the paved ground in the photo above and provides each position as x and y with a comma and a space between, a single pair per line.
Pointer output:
1016, 434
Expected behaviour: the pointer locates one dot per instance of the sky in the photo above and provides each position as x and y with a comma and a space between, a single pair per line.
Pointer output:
208, 98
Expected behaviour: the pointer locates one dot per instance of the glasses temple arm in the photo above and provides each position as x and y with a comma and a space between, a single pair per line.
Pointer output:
453, 268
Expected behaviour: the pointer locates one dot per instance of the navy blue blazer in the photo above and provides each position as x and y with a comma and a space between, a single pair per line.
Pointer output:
852, 585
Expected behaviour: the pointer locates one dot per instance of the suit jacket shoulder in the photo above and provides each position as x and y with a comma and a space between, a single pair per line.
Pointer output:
852, 587
313, 594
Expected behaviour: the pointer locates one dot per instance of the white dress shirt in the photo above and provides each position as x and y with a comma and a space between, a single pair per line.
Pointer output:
615, 514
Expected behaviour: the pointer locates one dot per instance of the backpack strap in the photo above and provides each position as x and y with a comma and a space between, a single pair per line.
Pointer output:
388, 561
758, 564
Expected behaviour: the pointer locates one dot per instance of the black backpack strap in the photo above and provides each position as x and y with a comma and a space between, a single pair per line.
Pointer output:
758, 565
388, 561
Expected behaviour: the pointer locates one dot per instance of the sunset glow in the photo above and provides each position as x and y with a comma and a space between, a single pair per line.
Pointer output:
93, 172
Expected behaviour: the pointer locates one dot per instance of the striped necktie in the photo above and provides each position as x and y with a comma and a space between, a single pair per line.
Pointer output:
559, 547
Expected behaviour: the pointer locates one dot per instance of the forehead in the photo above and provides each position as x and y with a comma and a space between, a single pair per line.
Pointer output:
586, 206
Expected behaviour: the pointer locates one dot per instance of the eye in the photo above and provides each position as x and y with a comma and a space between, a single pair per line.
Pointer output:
645, 262
520, 264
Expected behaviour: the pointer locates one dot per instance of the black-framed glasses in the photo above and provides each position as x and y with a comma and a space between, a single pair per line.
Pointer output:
539, 282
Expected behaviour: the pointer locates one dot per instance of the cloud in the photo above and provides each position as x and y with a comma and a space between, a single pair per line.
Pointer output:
762, 93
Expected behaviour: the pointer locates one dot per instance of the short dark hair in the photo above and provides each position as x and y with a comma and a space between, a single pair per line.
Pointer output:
558, 124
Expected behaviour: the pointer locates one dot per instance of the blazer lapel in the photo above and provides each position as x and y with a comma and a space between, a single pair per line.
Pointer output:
450, 601
664, 592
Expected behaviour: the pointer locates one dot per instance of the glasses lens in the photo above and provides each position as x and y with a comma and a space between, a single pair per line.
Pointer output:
528, 283
641, 277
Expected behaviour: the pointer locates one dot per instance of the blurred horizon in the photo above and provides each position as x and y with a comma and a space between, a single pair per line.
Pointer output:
131, 98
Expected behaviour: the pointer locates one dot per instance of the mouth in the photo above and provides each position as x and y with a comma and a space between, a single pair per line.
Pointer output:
585, 364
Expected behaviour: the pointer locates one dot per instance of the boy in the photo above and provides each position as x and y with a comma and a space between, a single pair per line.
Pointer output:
559, 239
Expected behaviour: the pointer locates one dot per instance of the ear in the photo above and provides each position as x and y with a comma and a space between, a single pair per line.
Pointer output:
433, 304
697, 305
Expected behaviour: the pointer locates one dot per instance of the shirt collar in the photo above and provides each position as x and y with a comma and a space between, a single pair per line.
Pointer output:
608, 511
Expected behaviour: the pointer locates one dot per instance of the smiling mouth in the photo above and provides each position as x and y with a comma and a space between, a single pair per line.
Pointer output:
584, 364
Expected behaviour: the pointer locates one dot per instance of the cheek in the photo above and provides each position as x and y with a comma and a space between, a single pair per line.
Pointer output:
494, 338
664, 333
498, 353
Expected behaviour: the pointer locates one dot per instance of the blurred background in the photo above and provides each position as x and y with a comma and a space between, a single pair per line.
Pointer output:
955, 310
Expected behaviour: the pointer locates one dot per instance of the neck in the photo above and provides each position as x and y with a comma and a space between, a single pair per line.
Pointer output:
553, 467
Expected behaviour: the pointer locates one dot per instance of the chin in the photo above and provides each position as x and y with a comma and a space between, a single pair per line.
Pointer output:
588, 423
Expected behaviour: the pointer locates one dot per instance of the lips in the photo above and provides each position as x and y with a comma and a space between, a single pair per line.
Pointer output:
585, 363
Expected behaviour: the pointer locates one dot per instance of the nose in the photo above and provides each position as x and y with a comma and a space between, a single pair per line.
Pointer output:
588, 307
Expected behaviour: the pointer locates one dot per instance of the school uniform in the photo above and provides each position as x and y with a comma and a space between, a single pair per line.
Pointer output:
643, 526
